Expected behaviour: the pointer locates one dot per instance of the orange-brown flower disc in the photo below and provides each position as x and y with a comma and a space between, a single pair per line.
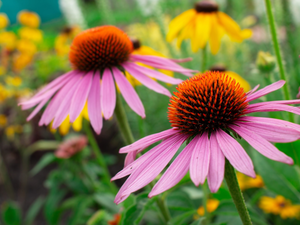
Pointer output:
99, 48
206, 6
206, 102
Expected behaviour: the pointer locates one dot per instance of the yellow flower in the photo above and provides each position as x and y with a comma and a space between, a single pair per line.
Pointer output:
279, 206
31, 34
212, 205
3, 20
29, 19
244, 84
2, 70
77, 125
205, 23
63, 40
26, 47
3, 120
10, 131
21, 61
246, 182
13, 81
8, 40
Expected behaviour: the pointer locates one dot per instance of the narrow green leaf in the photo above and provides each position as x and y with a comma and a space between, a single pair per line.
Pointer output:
34, 210
182, 218
79, 210
44, 161
107, 201
97, 218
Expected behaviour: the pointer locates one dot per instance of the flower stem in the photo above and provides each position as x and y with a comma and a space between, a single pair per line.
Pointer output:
204, 59
204, 202
99, 157
276, 46
236, 193
128, 138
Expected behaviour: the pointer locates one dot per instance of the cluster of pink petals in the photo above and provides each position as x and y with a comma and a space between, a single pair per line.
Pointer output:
72, 90
205, 156
71, 146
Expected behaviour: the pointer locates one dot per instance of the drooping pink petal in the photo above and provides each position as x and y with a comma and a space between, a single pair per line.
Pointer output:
147, 141
32, 102
216, 165
200, 159
235, 153
252, 90
155, 74
262, 145
64, 108
147, 171
130, 157
108, 94
266, 90
175, 172
147, 81
129, 93
272, 108
38, 108
162, 64
182, 60
80, 97
94, 104
272, 132
154, 152
55, 103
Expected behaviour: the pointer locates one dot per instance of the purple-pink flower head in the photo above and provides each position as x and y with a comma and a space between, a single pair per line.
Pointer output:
206, 111
99, 57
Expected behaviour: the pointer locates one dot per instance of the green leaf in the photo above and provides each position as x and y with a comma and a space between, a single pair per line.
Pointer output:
34, 210
44, 161
182, 218
107, 201
97, 218
291, 149
278, 177
179, 201
42, 146
198, 221
222, 194
79, 210
11, 214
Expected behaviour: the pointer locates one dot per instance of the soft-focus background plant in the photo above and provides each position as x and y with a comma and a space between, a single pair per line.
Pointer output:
52, 177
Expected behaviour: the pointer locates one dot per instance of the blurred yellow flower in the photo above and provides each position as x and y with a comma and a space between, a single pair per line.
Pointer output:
77, 125
4, 93
2, 70
246, 182
8, 39
31, 34
13, 81
212, 205
244, 84
26, 47
64, 40
205, 23
29, 19
20, 61
3, 20
11, 130
3, 120
279, 206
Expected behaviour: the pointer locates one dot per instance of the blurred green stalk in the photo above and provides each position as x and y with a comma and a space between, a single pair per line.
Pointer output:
106, 12
236, 193
276, 46
6, 178
204, 59
99, 156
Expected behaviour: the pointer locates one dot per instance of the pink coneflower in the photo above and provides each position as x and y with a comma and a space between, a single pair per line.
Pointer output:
206, 111
71, 146
99, 57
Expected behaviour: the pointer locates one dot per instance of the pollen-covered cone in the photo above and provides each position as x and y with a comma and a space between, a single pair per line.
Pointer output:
205, 23
99, 57
207, 110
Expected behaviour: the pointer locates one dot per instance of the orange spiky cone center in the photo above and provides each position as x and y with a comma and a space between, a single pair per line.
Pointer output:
99, 48
206, 102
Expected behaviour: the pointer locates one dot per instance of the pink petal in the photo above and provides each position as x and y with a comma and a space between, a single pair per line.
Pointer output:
262, 145
182, 60
216, 165
129, 93
130, 157
38, 108
266, 90
200, 159
54, 104
64, 108
153, 152
155, 74
150, 169
80, 97
147, 141
294, 101
271, 108
235, 153
175, 172
253, 90
94, 104
108, 94
148, 82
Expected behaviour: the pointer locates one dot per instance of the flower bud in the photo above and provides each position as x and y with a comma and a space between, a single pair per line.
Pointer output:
265, 62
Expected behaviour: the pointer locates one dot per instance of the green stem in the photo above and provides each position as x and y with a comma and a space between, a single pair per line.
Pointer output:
204, 59
204, 202
99, 157
128, 138
236, 193
276, 46
4, 174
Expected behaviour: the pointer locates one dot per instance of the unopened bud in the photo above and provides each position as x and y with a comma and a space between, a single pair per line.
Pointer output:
265, 62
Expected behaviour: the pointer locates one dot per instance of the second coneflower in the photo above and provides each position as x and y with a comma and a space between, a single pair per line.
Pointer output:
207, 111
205, 23
99, 57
